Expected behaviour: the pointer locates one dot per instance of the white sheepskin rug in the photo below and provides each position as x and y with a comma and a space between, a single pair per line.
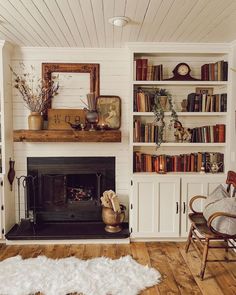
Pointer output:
98, 276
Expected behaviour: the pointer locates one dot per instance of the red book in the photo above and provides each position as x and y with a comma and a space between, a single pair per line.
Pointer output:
157, 164
138, 69
144, 69
221, 128
207, 72
203, 72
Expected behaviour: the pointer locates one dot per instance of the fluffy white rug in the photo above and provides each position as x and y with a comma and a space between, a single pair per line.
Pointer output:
98, 276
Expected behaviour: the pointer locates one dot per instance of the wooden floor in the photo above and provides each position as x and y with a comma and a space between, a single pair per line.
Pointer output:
179, 270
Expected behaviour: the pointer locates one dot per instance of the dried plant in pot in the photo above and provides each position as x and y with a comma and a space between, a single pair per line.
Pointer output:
36, 94
163, 102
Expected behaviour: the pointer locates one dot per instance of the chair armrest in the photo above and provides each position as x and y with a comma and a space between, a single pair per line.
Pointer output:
215, 215
193, 199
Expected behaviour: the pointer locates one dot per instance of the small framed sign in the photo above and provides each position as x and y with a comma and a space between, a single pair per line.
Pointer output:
205, 90
109, 111
60, 118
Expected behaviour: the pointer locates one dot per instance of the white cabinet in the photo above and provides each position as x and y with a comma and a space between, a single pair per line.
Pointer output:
7, 201
159, 203
191, 186
155, 206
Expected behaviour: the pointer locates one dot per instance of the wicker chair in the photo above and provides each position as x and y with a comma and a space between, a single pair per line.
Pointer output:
201, 230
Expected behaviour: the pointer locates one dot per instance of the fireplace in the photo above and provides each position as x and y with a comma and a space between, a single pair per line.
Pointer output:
63, 199
68, 189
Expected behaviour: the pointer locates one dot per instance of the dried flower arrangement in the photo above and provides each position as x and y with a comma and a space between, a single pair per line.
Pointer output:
90, 105
36, 93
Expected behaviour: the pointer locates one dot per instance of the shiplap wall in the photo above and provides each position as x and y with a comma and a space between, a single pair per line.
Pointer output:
114, 80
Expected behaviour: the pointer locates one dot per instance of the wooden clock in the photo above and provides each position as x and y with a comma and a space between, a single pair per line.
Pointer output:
182, 73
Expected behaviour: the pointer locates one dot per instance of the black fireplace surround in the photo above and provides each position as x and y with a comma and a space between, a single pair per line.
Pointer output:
63, 199
68, 189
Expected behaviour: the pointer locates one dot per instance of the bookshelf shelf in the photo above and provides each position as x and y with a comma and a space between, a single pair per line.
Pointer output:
209, 127
184, 114
181, 144
193, 174
196, 83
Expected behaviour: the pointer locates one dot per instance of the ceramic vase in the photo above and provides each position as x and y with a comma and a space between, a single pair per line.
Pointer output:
35, 121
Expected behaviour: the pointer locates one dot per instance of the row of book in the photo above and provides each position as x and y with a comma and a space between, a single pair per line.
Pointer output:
197, 102
148, 132
215, 133
144, 132
194, 162
143, 100
143, 71
217, 71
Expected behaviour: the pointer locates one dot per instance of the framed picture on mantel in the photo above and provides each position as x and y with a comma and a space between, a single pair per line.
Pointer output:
109, 111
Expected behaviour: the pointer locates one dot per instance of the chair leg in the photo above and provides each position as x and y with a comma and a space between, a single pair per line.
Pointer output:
226, 250
189, 240
204, 258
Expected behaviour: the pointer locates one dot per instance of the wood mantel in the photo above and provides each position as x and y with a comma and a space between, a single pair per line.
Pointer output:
66, 136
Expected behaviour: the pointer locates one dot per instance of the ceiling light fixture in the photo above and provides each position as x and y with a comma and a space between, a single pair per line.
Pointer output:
119, 21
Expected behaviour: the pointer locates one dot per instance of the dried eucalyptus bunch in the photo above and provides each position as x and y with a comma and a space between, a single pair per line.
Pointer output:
36, 93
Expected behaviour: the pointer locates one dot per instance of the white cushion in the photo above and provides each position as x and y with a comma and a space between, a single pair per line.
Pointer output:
219, 193
220, 201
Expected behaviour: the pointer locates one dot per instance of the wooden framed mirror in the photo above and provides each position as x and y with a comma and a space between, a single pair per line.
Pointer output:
91, 77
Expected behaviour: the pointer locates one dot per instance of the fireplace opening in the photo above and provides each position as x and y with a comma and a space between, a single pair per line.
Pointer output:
82, 187
68, 189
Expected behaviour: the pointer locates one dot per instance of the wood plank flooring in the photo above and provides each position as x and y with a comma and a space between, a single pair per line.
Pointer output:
179, 270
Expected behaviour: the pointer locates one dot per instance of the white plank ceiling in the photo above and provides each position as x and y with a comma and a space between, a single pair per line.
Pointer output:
84, 23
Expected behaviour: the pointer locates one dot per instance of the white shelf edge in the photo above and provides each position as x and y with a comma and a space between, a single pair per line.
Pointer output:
183, 114
220, 174
181, 144
146, 82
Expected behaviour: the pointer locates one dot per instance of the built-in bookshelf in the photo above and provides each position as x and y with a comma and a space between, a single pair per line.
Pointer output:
201, 104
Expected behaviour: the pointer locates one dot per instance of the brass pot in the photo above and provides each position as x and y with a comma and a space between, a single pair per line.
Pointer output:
112, 219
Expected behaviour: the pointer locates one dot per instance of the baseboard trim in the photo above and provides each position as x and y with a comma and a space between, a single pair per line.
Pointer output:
158, 239
66, 242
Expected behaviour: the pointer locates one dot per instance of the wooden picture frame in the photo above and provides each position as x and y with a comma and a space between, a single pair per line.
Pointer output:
109, 111
92, 69
205, 90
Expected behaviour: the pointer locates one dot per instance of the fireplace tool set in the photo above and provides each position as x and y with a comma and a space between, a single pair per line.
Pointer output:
30, 216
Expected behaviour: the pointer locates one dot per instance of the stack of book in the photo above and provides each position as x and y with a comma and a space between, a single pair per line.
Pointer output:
145, 132
176, 163
217, 71
215, 133
207, 103
143, 100
144, 71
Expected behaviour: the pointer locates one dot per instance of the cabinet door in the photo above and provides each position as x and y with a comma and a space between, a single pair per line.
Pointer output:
155, 207
192, 186
144, 207
168, 207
